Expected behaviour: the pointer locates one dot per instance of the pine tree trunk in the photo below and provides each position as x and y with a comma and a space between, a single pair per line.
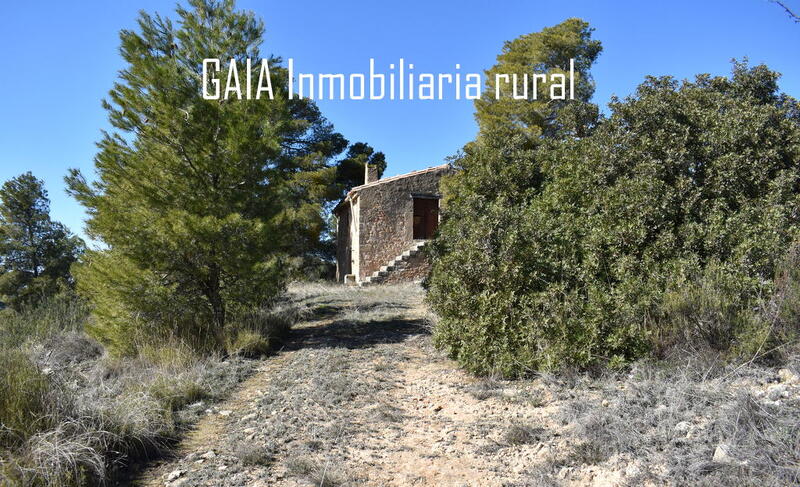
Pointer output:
217, 305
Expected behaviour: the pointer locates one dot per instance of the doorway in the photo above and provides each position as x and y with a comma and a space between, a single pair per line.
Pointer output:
426, 217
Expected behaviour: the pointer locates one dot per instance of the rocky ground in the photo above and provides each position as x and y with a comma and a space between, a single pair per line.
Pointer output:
359, 397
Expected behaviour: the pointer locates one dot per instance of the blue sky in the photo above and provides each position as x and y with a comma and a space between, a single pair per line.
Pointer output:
62, 58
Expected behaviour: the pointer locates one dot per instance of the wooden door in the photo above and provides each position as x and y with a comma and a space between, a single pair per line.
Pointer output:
426, 217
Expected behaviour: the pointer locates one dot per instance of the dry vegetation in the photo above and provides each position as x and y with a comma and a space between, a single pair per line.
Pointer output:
357, 395
72, 415
360, 397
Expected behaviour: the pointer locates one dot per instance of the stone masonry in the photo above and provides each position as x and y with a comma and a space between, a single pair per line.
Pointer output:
380, 220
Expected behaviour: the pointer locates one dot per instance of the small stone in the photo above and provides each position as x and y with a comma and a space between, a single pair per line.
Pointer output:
777, 391
682, 428
788, 377
605, 403
722, 454
175, 474
226, 412
208, 455
222, 468
633, 470
437, 409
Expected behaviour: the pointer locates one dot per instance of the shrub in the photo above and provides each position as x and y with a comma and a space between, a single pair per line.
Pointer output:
248, 343
521, 434
669, 219
62, 312
256, 332
782, 311
176, 392
251, 455
71, 453
713, 311
71, 415
132, 309
173, 355
27, 405
65, 349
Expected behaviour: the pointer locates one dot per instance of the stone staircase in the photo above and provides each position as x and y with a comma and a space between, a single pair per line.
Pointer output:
397, 263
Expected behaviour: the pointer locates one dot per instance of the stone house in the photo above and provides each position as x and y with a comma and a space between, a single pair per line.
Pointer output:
383, 225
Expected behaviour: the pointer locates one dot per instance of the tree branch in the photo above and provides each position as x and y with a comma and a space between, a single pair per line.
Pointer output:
789, 12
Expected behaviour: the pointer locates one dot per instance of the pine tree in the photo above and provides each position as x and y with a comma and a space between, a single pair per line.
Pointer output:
350, 170
198, 201
35, 252
546, 52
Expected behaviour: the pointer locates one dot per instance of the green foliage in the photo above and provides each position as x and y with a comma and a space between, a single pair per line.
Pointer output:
713, 309
351, 169
35, 252
199, 201
667, 220
36, 323
546, 52
25, 399
256, 332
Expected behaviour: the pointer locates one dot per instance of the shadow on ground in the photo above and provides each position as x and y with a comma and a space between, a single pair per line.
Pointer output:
347, 324
355, 334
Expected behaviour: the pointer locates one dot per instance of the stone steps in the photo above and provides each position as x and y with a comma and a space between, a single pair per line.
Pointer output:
398, 262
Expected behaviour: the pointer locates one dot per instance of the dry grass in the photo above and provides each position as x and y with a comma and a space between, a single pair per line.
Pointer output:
343, 362
252, 455
333, 391
73, 416
671, 420
320, 475
522, 434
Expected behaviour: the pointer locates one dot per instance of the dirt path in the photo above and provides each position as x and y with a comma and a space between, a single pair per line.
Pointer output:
357, 397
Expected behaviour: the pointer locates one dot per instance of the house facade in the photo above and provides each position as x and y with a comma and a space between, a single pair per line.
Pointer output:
384, 224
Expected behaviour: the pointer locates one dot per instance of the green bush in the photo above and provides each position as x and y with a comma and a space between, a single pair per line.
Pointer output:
60, 313
26, 400
668, 220
256, 332
132, 309
711, 311
248, 343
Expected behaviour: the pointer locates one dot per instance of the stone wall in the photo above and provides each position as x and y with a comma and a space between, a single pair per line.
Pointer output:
386, 216
415, 269
343, 243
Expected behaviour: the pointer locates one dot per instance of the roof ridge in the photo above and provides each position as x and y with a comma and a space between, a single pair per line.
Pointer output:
389, 179
400, 176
